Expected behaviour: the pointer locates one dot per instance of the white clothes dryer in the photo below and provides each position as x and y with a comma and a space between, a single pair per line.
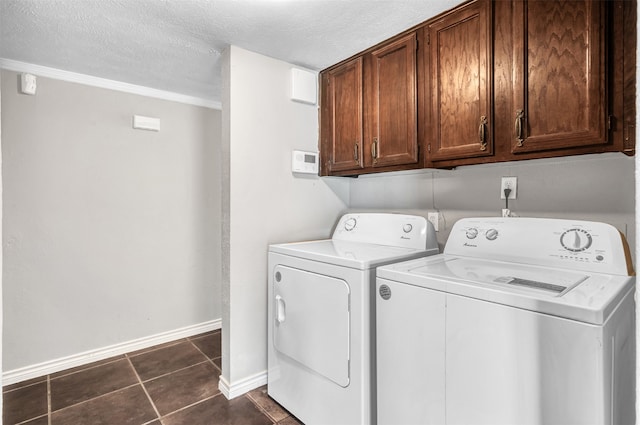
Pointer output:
320, 336
518, 321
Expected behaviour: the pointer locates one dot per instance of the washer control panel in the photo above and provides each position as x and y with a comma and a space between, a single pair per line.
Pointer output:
588, 246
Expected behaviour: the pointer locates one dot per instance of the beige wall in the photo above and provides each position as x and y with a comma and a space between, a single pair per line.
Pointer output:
264, 202
111, 234
589, 187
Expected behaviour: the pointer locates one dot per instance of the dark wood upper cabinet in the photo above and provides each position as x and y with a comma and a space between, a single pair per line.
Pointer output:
559, 75
390, 102
341, 118
458, 77
487, 81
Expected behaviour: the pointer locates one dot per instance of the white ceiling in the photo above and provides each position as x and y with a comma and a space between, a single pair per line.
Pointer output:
176, 45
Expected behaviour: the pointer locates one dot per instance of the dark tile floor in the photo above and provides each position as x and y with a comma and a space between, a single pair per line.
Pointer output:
169, 384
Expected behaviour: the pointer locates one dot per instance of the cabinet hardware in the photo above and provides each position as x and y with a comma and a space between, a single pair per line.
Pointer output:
482, 133
374, 149
355, 152
629, 137
519, 125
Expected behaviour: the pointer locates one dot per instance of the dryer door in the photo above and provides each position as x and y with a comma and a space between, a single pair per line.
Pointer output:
312, 321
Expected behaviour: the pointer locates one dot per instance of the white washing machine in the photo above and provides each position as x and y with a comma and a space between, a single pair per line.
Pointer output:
320, 353
518, 321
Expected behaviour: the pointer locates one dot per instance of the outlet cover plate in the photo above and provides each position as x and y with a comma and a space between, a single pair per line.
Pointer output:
511, 183
434, 218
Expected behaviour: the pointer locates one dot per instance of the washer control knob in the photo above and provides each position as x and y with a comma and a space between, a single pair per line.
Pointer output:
407, 228
472, 233
576, 240
491, 234
350, 224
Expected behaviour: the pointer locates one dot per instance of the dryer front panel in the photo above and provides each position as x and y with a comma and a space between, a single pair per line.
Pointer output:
312, 321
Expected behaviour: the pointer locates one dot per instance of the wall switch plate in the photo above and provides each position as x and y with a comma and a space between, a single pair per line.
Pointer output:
509, 183
434, 218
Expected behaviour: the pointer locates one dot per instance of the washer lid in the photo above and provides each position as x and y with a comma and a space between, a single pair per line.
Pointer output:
587, 297
356, 255
533, 280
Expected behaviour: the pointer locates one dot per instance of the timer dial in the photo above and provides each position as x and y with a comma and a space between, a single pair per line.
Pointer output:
407, 228
350, 224
576, 240
491, 234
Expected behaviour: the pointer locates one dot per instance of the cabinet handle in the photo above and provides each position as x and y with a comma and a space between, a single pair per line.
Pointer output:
482, 133
355, 152
519, 126
374, 148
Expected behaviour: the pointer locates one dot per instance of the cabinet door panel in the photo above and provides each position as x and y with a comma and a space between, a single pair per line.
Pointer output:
392, 100
560, 75
344, 86
460, 87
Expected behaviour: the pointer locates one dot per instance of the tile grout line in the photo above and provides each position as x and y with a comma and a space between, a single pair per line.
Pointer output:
95, 398
83, 368
154, 348
155, 409
27, 421
262, 409
174, 371
49, 399
21, 387
219, 394
210, 360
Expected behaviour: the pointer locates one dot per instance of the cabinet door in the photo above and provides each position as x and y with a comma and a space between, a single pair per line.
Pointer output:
391, 103
342, 117
559, 75
459, 88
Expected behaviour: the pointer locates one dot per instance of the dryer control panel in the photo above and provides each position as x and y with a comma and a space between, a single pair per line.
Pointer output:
408, 231
580, 245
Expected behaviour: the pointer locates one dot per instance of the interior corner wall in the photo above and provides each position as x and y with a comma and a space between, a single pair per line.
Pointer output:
637, 204
1, 266
110, 234
267, 203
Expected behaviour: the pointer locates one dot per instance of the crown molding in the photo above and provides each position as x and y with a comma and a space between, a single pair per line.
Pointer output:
59, 74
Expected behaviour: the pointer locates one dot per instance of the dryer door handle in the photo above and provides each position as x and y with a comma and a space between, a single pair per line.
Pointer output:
280, 309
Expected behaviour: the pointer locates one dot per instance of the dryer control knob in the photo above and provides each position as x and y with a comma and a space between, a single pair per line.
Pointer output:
472, 233
491, 234
350, 224
407, 228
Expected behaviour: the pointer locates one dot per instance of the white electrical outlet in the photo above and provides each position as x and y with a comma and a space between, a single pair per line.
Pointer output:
434, 218
509, 183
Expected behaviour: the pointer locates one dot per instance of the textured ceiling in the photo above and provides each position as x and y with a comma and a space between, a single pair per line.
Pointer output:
176, 45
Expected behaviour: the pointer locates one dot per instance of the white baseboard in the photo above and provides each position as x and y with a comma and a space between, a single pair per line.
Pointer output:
56, 365
233, 390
